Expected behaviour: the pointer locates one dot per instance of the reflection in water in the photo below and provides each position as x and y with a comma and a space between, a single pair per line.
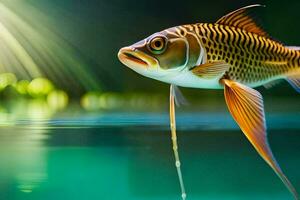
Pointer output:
113, 154
94, 101
30, 109
23, 159
135, 162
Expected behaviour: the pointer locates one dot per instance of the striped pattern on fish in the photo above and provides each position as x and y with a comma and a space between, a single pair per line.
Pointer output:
254, 60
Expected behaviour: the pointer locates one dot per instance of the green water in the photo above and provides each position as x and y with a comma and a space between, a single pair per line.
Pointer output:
112, 156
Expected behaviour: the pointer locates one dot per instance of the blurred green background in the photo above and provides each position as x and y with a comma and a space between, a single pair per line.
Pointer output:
74, 43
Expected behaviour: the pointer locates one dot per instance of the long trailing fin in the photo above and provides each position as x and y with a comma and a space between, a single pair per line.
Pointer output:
246, 107
211, 70
241, 18
179, 98
174, 141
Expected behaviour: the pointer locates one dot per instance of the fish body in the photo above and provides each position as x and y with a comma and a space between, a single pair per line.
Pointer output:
254, 59
233, 54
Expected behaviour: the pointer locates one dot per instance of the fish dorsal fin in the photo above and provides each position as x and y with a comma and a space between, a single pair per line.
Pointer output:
242, 19
246, 107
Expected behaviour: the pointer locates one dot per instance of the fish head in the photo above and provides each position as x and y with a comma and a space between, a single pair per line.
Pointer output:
161, 54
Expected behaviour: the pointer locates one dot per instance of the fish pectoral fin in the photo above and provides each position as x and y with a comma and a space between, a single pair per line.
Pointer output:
178, 96
246, 107
242, 18
211, 70
294, 81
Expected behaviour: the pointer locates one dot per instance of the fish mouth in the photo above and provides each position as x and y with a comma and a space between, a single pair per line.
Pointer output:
134, 58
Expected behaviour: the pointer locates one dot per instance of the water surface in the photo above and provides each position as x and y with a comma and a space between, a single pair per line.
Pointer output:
128, 155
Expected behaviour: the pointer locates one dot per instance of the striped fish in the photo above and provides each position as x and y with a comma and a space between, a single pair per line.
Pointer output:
233, 54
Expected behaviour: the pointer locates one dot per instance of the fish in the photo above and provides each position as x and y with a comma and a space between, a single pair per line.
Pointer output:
234, 54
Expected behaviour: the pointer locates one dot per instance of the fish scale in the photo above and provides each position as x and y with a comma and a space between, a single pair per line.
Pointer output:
253, 58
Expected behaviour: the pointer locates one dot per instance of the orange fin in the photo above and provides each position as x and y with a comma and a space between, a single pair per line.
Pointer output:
211, 70
246, 107
294, 81
241, 19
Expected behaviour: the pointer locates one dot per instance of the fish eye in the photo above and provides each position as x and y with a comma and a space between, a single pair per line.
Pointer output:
157, 45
